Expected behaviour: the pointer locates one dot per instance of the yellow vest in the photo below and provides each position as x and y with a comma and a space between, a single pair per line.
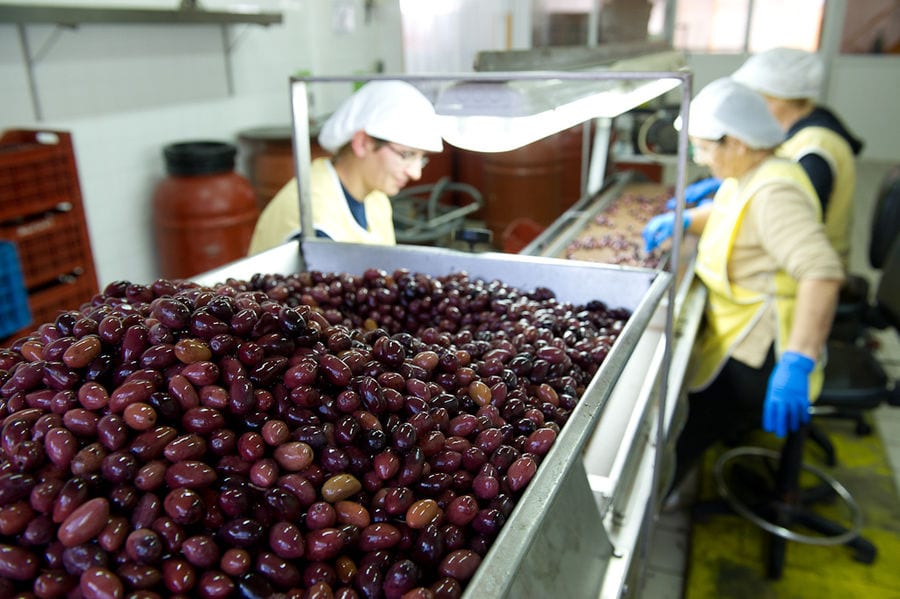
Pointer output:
280, 220
835, 150
731, 310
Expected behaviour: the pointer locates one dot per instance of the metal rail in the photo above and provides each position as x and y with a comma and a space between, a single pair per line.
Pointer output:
573, 545
73, 15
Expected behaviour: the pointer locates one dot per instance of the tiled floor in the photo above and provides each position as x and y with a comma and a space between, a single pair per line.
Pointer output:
668, 555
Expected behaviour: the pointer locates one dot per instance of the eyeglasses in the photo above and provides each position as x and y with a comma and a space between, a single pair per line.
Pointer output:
408, 156
702, 149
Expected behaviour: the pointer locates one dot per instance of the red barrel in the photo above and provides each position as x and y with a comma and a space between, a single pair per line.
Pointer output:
538, 181
268, 160
204, 212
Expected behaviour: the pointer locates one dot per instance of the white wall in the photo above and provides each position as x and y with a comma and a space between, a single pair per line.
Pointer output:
862, 89
125, 91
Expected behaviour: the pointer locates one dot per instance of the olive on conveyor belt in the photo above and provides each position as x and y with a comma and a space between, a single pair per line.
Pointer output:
317, 434
614, 235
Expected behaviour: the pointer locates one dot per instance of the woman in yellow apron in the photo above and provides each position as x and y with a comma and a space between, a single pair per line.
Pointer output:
790, 80
378, 139
771, 274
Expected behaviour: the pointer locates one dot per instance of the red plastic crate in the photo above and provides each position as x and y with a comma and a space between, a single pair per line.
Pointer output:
519, 233
37, 172
68, 294
49, 246
41, 210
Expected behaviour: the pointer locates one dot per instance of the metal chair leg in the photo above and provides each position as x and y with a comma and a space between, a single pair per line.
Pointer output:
818, 436
779, 506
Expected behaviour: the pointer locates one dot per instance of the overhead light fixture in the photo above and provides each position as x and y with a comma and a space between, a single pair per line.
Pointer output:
499, 116
503, 111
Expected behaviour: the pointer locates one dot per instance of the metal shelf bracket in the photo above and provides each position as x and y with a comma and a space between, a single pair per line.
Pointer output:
67, 17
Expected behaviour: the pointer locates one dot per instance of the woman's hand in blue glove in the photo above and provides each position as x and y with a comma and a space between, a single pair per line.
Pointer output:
697, 191
661, 228
787, 398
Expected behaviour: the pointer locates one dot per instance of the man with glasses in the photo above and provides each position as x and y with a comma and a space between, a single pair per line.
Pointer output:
378, 139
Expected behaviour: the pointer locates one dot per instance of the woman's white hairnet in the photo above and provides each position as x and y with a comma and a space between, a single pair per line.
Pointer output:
783, 73
391, 110
725, 107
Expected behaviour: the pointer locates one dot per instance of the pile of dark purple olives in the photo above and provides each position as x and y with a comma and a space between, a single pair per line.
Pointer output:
313, 435
616, 232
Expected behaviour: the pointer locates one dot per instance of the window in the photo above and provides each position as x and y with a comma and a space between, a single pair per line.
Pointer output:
722, 25
445, 36
872, 26
589, 22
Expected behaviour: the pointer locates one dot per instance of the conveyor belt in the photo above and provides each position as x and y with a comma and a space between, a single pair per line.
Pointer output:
622, 460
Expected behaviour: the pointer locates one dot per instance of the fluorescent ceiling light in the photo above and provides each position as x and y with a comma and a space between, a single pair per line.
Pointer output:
492, 116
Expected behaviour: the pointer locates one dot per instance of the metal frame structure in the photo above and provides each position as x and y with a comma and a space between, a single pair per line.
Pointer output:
531, 547
557, 540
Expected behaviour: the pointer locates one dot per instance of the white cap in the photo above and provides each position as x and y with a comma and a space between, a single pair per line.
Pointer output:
783, 73
390, 110
725, 107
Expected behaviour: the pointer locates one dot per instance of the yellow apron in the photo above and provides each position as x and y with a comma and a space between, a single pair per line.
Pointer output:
280, 220
731, 310
835, 150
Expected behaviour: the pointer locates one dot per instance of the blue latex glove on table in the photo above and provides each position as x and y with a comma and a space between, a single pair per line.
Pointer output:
787, 397
661, 228
697, 191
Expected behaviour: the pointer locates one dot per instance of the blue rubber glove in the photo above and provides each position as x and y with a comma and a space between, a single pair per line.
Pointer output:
697, 191
661, 228
787, 397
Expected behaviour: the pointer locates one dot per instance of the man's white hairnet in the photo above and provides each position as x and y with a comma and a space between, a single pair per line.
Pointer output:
725, 107
390, 110
783, 73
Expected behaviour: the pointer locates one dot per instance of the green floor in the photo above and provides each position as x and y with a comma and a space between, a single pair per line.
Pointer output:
727, 554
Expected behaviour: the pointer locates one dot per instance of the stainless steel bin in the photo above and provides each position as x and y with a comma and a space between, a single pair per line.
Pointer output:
554, 542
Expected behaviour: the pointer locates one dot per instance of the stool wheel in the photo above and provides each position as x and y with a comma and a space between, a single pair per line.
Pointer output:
772, 458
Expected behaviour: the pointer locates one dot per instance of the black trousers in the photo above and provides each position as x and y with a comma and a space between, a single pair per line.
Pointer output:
730, 407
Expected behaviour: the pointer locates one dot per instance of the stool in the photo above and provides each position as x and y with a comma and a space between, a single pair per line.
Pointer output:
771, 497
855, 384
